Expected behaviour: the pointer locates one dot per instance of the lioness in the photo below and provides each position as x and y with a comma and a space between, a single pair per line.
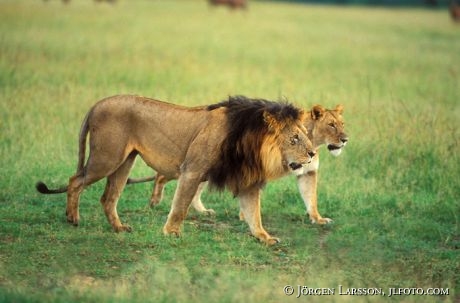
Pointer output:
238, 144
325, 127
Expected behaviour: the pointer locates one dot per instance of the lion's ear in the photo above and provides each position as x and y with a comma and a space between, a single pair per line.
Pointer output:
339, 108
272, 122
317, 112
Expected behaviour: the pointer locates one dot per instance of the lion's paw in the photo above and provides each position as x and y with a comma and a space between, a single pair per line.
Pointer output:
123, 228
74, 220
209, 212
168, 231
154, 202
321, 221
272, 241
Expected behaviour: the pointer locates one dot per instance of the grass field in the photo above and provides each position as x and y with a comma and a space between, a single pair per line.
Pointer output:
394, 193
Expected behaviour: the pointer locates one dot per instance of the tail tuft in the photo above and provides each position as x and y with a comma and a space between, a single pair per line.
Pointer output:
42, 188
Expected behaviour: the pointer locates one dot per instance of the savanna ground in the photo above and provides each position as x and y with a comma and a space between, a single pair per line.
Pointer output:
393, 193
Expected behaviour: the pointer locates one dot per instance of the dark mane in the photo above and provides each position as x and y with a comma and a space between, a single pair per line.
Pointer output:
240, 164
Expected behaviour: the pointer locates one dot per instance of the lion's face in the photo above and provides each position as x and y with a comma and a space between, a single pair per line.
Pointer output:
287, 143
296, 147
329, 128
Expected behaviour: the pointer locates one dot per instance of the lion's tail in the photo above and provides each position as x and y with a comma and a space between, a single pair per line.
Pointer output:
140, 180
84, 130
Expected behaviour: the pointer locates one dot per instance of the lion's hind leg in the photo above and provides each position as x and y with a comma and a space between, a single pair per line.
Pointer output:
115, 184
76, 186
96, 168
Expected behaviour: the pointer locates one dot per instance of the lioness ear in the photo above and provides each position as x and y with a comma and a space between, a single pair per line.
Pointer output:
317, 112
339, 108
271, 121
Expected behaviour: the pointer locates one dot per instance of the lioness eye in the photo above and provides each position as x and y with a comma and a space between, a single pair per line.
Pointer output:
332, 125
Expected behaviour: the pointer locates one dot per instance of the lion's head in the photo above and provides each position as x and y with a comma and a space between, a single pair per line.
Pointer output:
328, 128
265, 140
288, 136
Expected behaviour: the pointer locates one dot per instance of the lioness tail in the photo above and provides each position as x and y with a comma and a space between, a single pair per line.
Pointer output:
140, 180
43, 188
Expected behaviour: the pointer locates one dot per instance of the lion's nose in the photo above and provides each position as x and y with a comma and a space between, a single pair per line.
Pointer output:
311, 154
344, 140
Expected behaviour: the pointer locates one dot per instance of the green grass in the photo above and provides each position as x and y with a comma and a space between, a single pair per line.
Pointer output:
393, 193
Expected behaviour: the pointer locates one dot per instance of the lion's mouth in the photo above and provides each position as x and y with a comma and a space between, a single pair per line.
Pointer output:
295, 165
332, 147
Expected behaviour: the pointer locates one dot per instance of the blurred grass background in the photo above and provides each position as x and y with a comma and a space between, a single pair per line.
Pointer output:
393, 193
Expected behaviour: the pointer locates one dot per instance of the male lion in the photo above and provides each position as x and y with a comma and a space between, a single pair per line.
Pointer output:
238, 144
325, 127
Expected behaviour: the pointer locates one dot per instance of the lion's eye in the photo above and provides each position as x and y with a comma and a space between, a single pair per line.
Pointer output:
295, 139
332, 125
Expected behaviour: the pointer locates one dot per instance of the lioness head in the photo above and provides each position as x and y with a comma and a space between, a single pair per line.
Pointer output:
292, 140
329, 128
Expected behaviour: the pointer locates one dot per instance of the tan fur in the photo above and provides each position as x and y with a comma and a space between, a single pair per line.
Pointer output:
318, 122
122, 127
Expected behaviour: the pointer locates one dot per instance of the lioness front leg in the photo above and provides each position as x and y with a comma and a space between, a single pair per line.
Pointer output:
307, 186
198, 204
187, 186
250, 208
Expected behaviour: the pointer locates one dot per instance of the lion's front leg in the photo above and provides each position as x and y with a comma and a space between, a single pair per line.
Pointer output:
250, 208
307, 186
187, 186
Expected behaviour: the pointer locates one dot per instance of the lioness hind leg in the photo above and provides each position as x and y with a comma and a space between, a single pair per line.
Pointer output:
158, 187
115, 184
76, 186
250, 208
